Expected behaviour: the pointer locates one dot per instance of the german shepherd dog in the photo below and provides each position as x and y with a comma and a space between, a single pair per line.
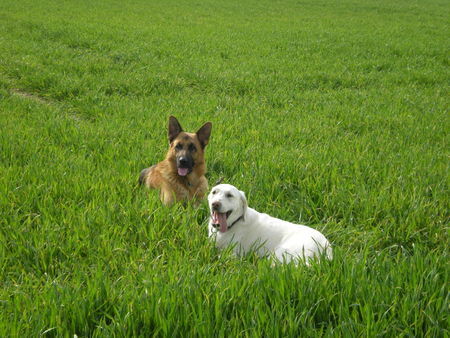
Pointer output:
181, 176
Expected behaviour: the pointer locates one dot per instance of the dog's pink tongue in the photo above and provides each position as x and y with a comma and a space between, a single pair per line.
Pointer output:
182, 171
222, 220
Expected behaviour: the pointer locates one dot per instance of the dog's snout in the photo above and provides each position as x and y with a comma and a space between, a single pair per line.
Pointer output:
216, 205
183, 161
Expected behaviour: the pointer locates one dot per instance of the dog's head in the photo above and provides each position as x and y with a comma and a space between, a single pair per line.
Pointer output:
187, 149
228, 205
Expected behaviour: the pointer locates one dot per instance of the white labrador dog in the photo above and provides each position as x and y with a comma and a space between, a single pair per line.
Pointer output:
232, 222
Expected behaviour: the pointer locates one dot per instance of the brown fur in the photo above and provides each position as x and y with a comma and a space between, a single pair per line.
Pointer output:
164, 175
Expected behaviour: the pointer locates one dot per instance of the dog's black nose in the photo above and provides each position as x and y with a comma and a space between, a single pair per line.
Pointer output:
215, 205
183, 161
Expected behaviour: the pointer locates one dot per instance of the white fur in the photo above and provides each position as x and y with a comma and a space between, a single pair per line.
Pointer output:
266, 235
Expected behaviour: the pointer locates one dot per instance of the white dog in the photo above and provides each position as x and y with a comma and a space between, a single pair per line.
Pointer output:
232, 222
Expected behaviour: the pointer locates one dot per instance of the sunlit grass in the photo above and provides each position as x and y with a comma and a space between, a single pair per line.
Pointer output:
332, 114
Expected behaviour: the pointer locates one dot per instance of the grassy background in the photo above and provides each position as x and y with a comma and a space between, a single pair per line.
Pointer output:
329, 113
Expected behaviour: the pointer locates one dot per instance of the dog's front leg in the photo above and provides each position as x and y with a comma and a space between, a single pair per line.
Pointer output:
167, 196
202, 188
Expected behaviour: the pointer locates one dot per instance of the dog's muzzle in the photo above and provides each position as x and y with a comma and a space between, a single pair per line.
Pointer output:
184, 165
219, 220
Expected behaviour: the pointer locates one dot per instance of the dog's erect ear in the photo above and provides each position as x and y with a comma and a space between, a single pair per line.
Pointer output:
244, 204
174, 128
203, 134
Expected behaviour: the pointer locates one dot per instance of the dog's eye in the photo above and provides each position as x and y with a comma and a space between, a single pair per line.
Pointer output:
192, 148
229, 195
214, 192
179, 146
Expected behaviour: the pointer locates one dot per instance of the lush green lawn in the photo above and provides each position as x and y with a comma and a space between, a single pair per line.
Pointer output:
330, 113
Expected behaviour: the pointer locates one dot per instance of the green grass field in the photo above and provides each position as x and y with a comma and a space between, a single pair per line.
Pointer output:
329, 113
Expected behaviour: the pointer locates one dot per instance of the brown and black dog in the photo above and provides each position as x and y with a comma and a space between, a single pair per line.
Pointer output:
181, 176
